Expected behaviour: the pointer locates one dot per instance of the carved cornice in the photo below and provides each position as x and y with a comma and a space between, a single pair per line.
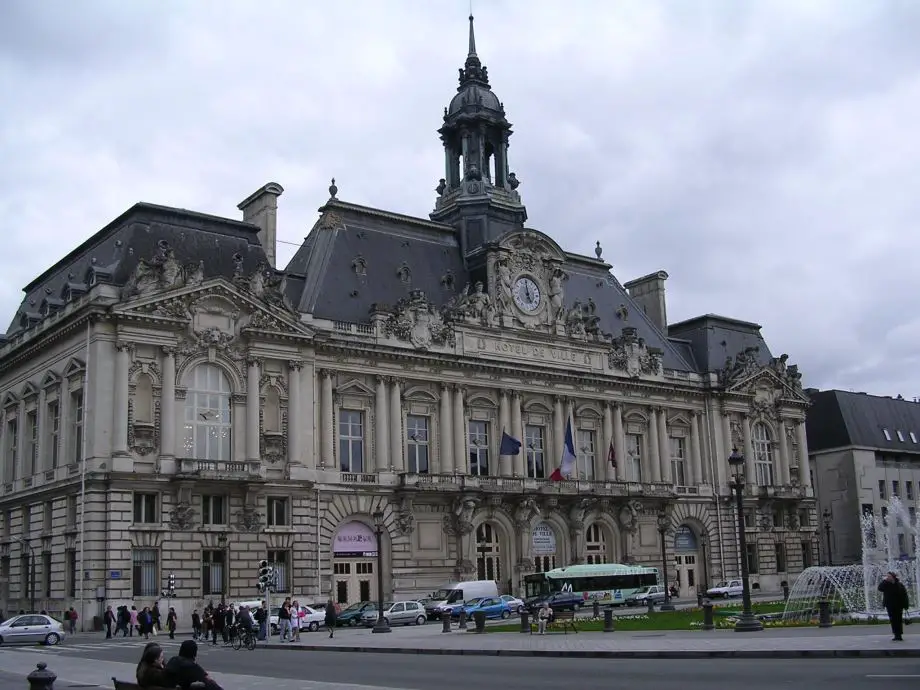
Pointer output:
295, 365
123, 346
169, 350
253, 360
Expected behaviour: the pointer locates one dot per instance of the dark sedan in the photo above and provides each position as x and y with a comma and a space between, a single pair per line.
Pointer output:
352, 615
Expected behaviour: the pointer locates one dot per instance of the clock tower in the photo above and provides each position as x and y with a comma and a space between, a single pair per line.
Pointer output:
478, 194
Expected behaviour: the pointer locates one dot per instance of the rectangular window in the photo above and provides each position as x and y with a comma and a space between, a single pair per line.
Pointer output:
26, 520
912, 512
678, 461
277, 511
11, 450
53, 433
750, 520
71, 511
25, 576
145, 509
144, 573
47, 516
479, 448
806, 555
71, 573
586, 453
417, 444
46, 574
76, 426
281, 562
752, 560
779, 517
881, 489
5, 577
909, 490
902, 545
535, 440
212, 573
780, 557
31, 459
351, 441
634, 452
895, 488
213, 510
804, 518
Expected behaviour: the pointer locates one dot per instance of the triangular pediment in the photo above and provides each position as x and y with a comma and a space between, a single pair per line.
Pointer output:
74, 366
50, 379
9, 400
221, 304
767, 382
354, 387
29, 391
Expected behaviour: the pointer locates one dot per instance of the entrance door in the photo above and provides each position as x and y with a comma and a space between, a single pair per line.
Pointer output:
686, 575
342, 573
354, 581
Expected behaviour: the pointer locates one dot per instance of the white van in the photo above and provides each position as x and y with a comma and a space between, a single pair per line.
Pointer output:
444, 600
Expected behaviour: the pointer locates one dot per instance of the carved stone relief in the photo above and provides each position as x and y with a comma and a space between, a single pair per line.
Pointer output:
160, 273
182, 517
415, 320
472, 305
404, 519
248, 519
633, 356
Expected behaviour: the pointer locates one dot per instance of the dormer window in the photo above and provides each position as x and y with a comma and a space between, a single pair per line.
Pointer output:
900, 436
913, 437
887, 434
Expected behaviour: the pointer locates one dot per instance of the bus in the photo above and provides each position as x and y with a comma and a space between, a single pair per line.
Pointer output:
606, 583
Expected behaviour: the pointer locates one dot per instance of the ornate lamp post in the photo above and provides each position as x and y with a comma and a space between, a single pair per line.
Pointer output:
225, 566
827, 534
704, 545
747, 622
664, 524
382, 626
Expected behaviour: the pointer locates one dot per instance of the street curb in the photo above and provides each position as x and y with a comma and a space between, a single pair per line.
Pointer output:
619, 654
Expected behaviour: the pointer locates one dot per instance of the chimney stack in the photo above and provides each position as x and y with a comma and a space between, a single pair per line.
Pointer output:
261, 209
648, 293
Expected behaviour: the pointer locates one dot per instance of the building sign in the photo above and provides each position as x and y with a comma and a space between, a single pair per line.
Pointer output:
354, 539
497, 348
543, 540
685, 539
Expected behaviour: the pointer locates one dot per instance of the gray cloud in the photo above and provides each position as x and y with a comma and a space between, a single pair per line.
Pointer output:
763, 153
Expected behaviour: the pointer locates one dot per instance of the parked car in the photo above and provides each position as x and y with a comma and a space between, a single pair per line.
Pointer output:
312, 619
725, 589
446, 599
515, 604
655, 593
558, 601
32, 628
351, 616
398, 613
493, 607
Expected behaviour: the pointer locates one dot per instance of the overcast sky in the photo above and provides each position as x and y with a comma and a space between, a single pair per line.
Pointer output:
764, 153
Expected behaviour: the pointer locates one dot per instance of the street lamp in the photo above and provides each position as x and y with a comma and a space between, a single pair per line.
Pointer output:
225, 566
664, 523
382, 626
704, 544
31, 574
827, 533
747, 622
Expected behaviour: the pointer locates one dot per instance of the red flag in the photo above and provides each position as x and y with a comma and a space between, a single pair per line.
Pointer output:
612, 456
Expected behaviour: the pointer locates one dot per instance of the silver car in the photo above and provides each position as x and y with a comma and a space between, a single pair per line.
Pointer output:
32, 628
400, 613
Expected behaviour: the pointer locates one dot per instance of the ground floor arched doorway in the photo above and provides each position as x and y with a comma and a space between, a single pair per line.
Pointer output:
687, 561
354, 563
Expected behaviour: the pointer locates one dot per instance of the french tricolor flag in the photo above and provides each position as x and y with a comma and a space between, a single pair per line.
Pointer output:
564, 471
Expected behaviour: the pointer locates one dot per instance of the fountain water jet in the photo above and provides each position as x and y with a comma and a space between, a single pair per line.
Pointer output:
853, 589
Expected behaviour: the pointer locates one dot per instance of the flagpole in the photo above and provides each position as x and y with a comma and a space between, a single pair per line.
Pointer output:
82, 572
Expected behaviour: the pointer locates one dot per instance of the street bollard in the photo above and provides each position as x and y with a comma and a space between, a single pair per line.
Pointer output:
699, 599
597, 609
479, 617
785, 592
707, 616
525, 621
608, 620
462, 625
445, 623
824, 614
41, 678
651, 605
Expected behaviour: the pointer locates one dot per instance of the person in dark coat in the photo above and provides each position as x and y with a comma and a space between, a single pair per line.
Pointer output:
896, 602
330, 617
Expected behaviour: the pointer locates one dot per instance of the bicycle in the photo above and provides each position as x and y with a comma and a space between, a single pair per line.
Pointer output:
243, 637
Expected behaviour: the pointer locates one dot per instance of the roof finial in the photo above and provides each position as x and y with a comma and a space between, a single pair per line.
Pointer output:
472, 51
333, 190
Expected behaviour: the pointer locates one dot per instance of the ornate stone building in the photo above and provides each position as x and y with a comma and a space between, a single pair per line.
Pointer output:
225, 411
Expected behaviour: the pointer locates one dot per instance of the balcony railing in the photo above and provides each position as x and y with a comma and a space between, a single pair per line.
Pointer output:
217, 469
457, 482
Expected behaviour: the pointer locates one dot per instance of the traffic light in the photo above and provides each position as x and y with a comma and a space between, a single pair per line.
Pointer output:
170, 590
265, 576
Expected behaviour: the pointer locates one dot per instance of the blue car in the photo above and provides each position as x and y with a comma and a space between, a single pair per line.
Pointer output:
493, 607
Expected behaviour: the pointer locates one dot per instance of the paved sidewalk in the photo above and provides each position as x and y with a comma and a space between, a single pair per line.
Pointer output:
779, 643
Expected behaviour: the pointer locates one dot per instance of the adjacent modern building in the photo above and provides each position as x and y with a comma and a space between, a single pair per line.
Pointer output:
865, 451
174, 403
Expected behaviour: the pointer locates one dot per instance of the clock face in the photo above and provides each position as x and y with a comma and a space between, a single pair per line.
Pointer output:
527, 294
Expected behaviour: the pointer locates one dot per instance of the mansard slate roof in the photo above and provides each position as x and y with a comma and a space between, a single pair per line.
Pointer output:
111, 255
713, 339
838, 419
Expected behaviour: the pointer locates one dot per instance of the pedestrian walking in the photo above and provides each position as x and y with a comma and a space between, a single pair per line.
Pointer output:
331, 617
896, 602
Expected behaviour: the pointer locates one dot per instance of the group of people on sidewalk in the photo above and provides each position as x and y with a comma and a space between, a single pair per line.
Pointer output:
145, 622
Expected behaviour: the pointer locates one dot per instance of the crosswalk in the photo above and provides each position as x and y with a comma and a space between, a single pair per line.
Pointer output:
68, 647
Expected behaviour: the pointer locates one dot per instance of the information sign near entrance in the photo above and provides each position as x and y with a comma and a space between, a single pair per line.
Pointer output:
354, 552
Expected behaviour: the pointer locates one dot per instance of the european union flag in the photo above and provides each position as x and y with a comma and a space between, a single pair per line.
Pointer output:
509, 446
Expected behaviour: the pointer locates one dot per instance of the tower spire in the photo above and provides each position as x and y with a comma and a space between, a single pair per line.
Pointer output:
472, 51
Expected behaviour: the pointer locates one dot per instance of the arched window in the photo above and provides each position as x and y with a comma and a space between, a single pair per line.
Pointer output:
207, 414
763, 455
595, 545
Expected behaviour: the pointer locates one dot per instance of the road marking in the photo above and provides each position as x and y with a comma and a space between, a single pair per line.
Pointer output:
891, 675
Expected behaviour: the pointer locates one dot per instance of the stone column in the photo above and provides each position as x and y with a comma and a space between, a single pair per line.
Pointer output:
609, 472
664, 452
696, 462
396, 428
447, 434
168, 404
804, 465
461, 459
619, 444
654, 449
381, 428
504, 419
782, 445
558, 422
750, 476
253, 403
120, 400
295, 420
520, 460
326, 408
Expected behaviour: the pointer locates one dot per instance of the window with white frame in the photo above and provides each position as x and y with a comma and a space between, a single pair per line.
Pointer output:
595, 545
213, 509
763, 455
586, 454
76, 426
145, 508
634, 453
53, 433
678, 460
351, 440
535, 441
281, 562
31, 459
479, 448
144, 573
208, 427
213, 572
417, 444
11, 449
278, 511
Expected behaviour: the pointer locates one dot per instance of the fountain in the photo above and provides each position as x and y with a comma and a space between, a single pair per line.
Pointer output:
852, 590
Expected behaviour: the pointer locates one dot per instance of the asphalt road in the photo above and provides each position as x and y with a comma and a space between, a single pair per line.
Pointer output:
422, 672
